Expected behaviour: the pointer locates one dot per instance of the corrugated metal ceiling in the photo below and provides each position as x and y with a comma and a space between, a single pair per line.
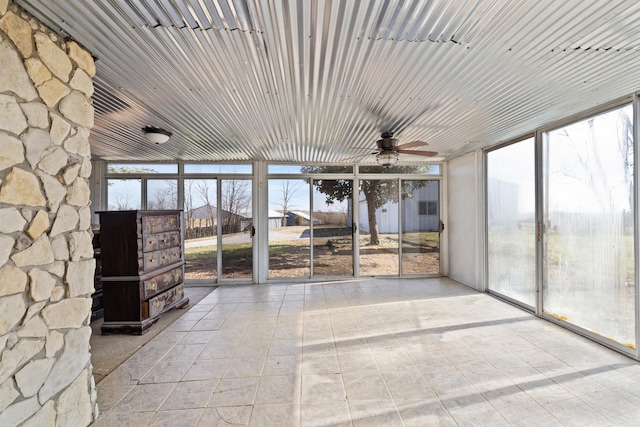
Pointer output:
318, 81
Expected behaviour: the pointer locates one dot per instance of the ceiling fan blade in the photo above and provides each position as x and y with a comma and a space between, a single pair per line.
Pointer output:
411, 145
418, 153
361, 156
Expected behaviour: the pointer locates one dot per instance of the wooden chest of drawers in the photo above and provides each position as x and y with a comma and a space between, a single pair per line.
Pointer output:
142, 268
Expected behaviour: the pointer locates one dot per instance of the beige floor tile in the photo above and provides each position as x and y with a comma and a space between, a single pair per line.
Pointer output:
111, 395
315, 365
206, 369
322, 388
240, 367
283, 365
208, 325
382, 352
231, 416
322, 414
173, 418
423, 413
279, 389
374, 413
123, 419
144, 398
365, 385
284, 347
218, 350
166, 371
234, 392
190, 395
408, 385
275, 414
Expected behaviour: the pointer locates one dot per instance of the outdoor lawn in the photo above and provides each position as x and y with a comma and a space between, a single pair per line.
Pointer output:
332, 254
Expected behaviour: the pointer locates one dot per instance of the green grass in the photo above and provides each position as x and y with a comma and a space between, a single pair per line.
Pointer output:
298, 246
203, 252
288, 247
240, 250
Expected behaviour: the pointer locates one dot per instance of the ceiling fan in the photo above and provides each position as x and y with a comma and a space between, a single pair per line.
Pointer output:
389, 150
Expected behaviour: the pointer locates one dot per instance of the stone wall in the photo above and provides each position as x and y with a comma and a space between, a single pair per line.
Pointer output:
46, 256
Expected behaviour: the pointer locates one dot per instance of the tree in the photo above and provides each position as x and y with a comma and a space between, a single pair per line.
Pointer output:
288, 189
132, 169
625, 145
123, 200
376, 192
188, 208
126, 197
164, 196
206, 193
236, 201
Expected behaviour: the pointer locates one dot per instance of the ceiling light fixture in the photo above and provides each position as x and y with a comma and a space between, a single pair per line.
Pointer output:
157, 135
387, 158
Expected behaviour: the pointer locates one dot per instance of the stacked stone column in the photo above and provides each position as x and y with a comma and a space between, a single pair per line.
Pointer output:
46, 255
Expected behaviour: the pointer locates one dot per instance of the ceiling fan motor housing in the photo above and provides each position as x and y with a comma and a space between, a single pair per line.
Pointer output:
388, 142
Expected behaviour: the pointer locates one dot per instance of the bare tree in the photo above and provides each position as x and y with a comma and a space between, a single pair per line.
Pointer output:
122, 201
188, 207
165, 197
236, 202
288, 189
207, 194
625, 145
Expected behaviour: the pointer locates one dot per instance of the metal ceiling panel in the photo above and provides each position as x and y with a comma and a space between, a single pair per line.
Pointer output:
318, 81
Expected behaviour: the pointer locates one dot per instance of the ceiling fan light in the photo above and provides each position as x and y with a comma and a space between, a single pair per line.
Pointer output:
387, 158
156, 135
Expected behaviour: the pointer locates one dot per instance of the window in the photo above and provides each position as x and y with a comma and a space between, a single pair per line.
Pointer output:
428, 208
216, 168
142, 168
432, 208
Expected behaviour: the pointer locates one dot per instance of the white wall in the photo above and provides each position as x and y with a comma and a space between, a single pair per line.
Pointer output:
465, 216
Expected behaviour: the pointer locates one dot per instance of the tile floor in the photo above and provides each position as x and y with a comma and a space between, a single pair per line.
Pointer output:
383, 352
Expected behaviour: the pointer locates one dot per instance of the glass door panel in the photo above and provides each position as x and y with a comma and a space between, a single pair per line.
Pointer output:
332, 233
289, 228
420, 227
162, 194
511, 222
589, 255
378, 222
124, 194
237, 228
200, 229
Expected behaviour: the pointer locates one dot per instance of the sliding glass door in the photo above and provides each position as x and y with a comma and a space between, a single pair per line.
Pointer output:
420, 227
588, 221
332, 234
378, 223
575, 228
200, 229
236, 228
289, 228
511, 222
